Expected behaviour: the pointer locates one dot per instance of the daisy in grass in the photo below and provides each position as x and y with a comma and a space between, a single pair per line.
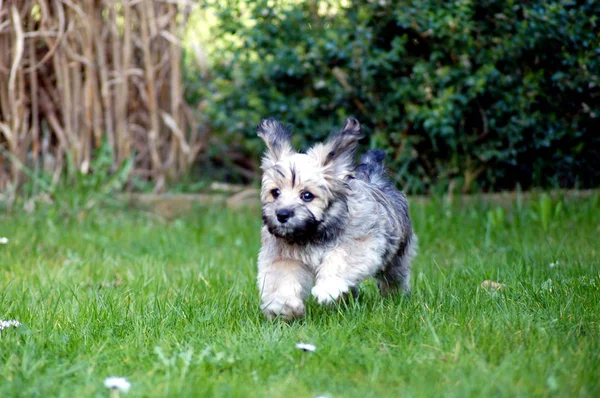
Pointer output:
306, 347
7, 324
3, 240
116, 385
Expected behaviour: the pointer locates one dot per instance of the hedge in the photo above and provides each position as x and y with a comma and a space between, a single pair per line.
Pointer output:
462, 95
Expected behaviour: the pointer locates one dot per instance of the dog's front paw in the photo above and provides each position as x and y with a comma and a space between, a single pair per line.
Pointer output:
286, 309
326, 292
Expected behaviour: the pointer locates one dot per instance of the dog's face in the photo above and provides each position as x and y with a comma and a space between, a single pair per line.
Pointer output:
304, 194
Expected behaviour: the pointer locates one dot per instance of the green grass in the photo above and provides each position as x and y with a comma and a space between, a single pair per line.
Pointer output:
172, 306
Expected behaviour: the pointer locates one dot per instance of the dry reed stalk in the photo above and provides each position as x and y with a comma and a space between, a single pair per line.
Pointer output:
105, 93
150, 86
76, 73
35, 109
12, 127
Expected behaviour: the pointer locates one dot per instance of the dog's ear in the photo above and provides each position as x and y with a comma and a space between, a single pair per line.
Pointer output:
336, 155
278, 140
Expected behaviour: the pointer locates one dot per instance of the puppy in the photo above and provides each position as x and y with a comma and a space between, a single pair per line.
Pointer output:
328, 222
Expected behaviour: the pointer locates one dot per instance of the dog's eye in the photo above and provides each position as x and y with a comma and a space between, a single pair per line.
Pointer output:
307, 196
275, 192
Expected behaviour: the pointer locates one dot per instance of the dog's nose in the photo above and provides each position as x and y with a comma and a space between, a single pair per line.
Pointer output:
284, 214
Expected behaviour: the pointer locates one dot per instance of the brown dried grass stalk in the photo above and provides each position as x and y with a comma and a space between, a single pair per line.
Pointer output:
73, 73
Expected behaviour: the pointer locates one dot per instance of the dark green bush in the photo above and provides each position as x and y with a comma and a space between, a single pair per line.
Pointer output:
467, 94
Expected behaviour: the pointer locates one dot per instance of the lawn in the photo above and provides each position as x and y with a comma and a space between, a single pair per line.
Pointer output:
172, 306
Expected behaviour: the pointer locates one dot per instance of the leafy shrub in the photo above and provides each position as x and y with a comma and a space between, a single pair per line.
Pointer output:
467, 94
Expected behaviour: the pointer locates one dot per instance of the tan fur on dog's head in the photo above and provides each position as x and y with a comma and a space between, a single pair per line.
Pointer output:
304, 194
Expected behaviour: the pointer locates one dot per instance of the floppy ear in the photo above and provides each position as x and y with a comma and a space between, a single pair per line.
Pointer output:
277, 138
337, 154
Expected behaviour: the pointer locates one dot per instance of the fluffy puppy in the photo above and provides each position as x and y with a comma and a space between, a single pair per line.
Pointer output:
329, 224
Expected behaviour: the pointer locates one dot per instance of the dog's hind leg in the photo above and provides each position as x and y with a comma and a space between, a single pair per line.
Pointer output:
395, 277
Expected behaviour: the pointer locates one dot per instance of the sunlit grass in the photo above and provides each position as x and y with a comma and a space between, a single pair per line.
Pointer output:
172, 306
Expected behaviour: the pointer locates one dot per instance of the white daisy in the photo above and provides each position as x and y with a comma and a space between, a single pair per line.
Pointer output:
117, 383
3, 240
7, 324
306, 347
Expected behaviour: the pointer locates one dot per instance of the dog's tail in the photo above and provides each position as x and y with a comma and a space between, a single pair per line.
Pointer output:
371, 164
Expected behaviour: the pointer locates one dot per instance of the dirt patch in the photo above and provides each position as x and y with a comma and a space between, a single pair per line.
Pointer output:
173, 205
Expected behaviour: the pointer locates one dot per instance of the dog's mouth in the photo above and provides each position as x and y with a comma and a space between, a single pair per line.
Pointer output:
294, 231
299, 236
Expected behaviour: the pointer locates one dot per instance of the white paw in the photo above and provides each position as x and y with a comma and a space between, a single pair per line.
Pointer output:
285, 308
326, 292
